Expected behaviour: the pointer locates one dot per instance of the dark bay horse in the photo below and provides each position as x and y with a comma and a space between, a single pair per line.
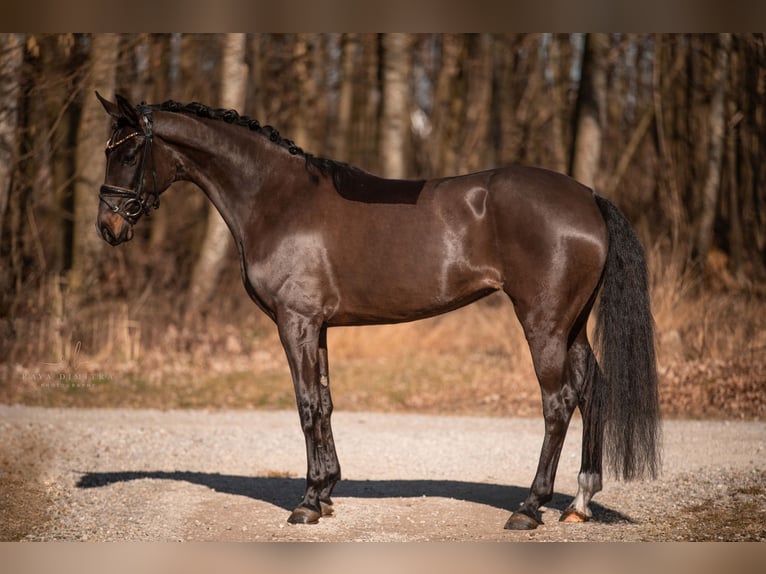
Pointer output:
323, 243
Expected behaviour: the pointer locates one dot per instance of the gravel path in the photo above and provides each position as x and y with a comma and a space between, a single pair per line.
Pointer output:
105, 475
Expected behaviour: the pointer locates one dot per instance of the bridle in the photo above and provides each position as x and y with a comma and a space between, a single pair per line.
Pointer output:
137, 202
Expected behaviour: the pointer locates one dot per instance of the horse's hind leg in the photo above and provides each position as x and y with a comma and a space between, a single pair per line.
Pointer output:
550, 355
585, 375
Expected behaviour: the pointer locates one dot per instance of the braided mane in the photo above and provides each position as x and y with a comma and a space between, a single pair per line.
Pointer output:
314, 164
351, 182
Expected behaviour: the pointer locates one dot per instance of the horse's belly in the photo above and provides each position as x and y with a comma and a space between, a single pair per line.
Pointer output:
397, 291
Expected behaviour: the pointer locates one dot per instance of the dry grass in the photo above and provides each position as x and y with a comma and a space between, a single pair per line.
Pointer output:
711, 351
706, 318
488, 327
711, 335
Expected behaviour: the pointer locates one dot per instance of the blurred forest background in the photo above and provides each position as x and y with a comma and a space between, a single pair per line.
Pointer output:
670, 127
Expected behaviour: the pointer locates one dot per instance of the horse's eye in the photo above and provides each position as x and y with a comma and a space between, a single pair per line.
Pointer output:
129, 159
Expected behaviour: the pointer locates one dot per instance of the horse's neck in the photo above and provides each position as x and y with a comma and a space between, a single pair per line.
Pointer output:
225, 162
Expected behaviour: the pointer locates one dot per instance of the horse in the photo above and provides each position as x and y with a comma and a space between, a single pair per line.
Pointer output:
323, 243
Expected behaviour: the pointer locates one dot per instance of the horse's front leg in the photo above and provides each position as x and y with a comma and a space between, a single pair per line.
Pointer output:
331, 464
300, 336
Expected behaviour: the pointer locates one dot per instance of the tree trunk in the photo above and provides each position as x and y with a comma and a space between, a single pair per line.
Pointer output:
586, 151
93, 131
447, 106
346, 97
217, 236
305, 112
478, 105
55, 117
395, 122
12, 51
716, 127
368, 129
558, 88
258, 77
161, 86
527, 106
506, 100
735, 180
736, 240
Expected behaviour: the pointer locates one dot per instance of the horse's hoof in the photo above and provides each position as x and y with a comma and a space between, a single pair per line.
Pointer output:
520, 521
303, 515
573, 515
327, 508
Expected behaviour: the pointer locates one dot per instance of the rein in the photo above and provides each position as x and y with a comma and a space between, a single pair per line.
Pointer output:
137, 202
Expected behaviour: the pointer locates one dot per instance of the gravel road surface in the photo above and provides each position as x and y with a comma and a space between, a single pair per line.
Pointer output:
106, 475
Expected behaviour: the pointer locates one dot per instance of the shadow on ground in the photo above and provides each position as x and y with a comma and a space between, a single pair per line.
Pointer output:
286, 492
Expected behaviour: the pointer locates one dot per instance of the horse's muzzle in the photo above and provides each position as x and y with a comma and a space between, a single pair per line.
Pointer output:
114, 237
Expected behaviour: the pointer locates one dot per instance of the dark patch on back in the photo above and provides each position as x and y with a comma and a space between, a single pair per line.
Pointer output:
355, 184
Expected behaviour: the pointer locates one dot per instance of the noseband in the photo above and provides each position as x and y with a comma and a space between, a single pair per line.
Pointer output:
137, 202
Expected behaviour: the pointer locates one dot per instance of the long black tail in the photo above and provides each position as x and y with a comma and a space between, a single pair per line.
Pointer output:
625, 391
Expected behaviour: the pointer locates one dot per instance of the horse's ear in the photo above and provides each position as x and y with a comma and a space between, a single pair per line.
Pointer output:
122, 110
111, 108
128, 111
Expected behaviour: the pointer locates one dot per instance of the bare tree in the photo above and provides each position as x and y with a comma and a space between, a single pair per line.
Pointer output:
716, 126
346, 97
217, 236
304, 112
447, 105
367, 101
586, 150
557, 89
11, 58
163, 83
92, 133
395, 121
478, 105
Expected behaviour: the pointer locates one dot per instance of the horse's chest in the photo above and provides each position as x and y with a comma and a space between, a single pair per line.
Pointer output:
295, 273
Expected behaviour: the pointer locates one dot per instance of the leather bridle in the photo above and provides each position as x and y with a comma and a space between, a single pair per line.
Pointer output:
137, 201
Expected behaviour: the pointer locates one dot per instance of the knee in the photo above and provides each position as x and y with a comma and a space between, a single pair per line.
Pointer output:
309, 415
558, 406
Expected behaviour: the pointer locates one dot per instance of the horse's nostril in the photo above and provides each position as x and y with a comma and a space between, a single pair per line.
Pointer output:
107, 234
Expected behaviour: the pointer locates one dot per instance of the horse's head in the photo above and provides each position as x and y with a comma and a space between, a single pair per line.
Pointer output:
135, 175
